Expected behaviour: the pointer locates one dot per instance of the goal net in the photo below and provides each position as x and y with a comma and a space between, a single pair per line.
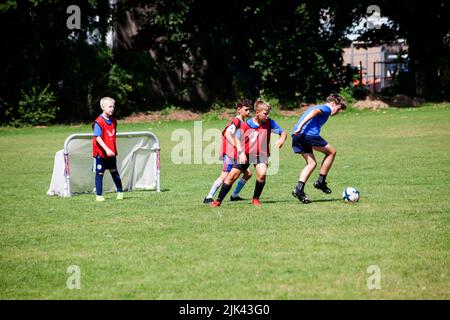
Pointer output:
138, 163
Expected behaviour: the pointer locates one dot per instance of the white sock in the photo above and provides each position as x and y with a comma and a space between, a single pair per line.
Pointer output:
216, 185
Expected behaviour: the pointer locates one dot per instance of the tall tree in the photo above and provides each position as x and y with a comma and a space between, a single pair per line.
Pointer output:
39, 50
209, 50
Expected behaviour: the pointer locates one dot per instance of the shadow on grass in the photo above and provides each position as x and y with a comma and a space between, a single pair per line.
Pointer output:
296, 200
326, 200
137, 191
276, 201
246, 201
249, 200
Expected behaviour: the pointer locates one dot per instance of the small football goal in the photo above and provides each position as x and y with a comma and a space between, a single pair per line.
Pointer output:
138, 162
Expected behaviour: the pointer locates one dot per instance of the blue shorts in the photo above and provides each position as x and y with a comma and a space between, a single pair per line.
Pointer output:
304, 143
227, 163
102, 164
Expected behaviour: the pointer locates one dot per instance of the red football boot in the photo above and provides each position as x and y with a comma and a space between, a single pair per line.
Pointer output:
256, 202
215, 203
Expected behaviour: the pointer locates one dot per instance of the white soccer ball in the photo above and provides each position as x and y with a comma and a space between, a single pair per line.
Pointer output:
351, 194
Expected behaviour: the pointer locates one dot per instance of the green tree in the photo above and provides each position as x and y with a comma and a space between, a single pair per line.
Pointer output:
39, 49
223, 49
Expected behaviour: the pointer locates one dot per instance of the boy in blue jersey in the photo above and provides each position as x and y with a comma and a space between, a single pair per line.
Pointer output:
306, 138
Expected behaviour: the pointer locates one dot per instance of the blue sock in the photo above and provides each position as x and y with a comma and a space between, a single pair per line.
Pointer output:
239, 186
117, 181
99, 184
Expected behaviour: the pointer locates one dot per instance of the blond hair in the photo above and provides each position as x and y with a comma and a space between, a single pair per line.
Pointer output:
104, 101
261, 104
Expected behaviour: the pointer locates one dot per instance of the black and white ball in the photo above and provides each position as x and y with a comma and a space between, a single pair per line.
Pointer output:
351, 194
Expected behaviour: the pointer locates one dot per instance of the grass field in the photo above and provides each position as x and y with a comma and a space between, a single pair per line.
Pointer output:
169, 245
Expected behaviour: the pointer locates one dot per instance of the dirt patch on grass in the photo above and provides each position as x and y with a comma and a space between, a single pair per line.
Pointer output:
384, 102
373, 103
177, 115
227, 115
400, 100
370, 103
296, 112
291, 113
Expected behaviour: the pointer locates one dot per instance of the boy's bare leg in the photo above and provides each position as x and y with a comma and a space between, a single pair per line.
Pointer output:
330, 154
223, 175
311, 164
261, 171
247, 174
232, 176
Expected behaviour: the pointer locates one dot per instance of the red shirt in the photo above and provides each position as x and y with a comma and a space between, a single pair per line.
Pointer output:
256, 140
108, 136
227, 148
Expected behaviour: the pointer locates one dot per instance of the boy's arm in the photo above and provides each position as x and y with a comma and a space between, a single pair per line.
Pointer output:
104, 146
235, 142
282, 140
275, 128
230, 137
311, 115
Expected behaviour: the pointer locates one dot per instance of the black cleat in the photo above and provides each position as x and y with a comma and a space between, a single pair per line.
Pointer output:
322, 186
208, 200
302, 197
236, 198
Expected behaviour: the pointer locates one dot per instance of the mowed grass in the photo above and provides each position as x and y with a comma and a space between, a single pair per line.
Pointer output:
169, 245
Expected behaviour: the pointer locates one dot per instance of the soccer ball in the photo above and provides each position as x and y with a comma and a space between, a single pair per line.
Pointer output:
350, 194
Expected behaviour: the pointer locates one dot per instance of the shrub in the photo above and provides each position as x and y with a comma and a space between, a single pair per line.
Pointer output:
37, 107
347, 94
120, 86
352, 94
273, 101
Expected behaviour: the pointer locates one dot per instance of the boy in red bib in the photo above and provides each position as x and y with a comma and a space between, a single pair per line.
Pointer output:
229, 153
255, 135
104, 149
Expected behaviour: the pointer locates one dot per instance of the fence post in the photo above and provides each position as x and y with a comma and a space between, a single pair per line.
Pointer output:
360, 74
374, 76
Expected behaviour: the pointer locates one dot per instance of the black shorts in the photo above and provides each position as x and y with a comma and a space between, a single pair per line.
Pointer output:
251, 160
102, 164
242, 167
304, 144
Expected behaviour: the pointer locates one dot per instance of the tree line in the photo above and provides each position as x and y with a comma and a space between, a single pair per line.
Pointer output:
194, 54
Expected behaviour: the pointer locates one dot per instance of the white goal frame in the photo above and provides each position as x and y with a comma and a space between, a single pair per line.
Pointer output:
156, 149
